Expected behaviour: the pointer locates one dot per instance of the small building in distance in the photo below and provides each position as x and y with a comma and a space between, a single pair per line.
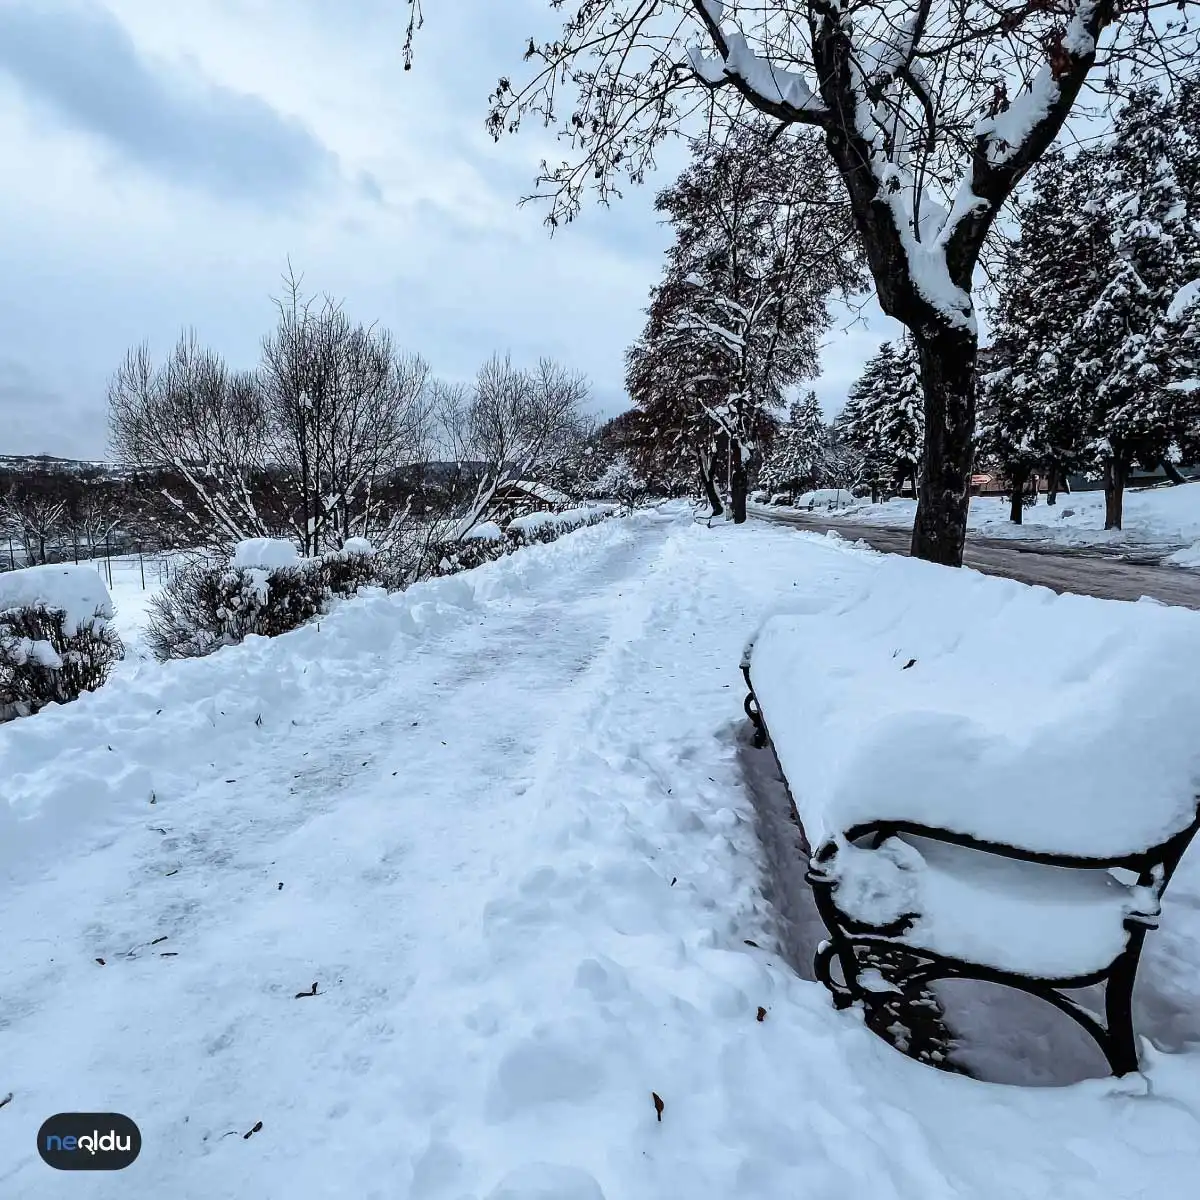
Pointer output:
519, 497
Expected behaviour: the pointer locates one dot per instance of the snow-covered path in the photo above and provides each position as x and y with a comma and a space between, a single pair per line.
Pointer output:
518, 860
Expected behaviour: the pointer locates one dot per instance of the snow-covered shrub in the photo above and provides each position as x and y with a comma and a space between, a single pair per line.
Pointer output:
188, 618
206, 606
448, 558
266, 554
547, 526
55, 637
351, 567
489, 531
274, 602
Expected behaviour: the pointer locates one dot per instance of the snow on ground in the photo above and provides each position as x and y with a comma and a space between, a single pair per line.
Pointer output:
135, 580
1163, 518
501, 820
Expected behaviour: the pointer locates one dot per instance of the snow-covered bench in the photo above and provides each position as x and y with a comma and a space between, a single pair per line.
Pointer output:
994, 783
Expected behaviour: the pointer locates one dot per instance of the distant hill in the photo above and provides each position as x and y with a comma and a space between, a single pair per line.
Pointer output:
20, 464
28, 464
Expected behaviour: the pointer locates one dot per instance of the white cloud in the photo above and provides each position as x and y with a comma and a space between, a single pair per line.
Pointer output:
114, 235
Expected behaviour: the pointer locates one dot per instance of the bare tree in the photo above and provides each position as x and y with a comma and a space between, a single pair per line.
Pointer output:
343, 409
209, 424
932, 111
299, 446
34, 516
517, 424
94, 513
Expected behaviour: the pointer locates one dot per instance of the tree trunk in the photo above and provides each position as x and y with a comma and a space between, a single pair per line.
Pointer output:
1115, 471
738, 483
1052, 475
710, 489
1016, 505
947, 359
1171, 473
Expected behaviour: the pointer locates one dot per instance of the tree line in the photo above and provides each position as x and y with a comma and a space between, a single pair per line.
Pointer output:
1096, 349
930, 113
1094, 362
336, 433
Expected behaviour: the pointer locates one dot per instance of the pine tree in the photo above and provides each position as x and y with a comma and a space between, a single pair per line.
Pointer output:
1128, 360
1010, 424
856, 423
794, 461
884, 418
1035, 408
903, 418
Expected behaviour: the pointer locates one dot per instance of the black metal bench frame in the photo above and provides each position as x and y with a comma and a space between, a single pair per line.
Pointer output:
854, 947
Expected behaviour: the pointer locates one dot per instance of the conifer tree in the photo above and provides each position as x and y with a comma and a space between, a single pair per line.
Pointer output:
884, 418
1123, 336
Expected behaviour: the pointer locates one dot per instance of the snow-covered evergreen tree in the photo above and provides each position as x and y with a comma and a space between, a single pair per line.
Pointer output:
1035, 408
794, 460
857, 428
762, 240
1009, 425
885, 418
902, 427
1126, 356
619, 482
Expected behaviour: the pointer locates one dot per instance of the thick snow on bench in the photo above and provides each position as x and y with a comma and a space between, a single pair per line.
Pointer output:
1059, 724
76, 591
1043, 921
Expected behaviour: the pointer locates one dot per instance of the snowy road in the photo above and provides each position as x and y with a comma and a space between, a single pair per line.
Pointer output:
1090, 572
501, 821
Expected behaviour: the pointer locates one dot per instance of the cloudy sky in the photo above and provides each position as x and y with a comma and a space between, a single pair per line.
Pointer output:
165, 160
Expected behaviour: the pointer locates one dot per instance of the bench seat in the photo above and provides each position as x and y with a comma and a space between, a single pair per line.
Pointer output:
1043, 922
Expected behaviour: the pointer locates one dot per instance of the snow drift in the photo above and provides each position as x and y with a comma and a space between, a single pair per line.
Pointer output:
501, 819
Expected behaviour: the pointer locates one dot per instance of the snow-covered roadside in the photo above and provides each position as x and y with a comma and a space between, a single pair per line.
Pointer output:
507, 812
1163, 519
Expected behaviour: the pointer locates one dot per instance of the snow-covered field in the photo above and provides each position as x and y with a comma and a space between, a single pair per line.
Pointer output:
134, 581
1166, 519
502, 822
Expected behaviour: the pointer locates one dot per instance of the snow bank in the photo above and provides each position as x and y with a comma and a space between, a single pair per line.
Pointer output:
76, 591
532, 525
1161, 516
267, 554
1189, 556
149, 733
485, 531
986, 707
